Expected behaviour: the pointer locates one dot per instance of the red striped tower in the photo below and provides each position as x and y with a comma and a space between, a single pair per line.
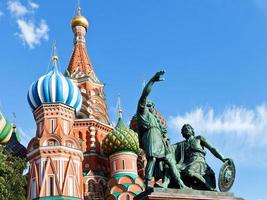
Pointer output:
92, 123
54, 154
81, 69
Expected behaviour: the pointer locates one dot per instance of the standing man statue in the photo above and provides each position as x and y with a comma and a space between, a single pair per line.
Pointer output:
195, 170
153, 135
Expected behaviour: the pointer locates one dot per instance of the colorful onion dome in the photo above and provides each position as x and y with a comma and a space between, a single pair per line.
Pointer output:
79, 20
54, 88
13, 146
6, 130
121, 139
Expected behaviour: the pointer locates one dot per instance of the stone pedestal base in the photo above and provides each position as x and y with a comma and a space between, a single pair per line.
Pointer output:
176, 194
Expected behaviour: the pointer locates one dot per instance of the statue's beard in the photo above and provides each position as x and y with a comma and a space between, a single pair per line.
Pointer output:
152, 110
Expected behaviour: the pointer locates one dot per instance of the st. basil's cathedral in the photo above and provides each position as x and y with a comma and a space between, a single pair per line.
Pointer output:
76, 153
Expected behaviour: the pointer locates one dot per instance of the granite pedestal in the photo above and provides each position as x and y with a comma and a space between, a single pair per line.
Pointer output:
176, 194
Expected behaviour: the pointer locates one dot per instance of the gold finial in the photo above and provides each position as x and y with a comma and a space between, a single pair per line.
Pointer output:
79, 20
79, 11
14, 127
78, 8
119, 107
54, 57
14, 119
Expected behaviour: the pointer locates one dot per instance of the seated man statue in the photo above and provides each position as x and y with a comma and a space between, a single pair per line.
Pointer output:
190, 154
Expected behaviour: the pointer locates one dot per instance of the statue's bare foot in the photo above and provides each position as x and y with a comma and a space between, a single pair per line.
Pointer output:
184, 187
165, 184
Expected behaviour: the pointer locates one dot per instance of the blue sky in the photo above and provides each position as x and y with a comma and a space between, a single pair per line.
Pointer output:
214, 53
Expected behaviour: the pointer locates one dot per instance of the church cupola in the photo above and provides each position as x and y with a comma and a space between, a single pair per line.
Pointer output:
6, 130
81, 70
79, 25
55, 155
54, 88
122, 147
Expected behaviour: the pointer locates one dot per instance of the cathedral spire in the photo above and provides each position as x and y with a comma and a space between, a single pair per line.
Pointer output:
80, 64
119, 107
79, 20
81, 70
54, 57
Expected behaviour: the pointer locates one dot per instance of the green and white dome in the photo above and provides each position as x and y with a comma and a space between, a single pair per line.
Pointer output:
6, 129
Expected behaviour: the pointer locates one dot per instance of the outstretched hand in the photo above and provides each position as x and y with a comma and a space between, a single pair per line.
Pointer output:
158, 76
227, 160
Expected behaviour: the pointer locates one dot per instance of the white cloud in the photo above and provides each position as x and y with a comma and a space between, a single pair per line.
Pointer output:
17, 9
1, 13
32, 34
234, 120
237, 131
33, 5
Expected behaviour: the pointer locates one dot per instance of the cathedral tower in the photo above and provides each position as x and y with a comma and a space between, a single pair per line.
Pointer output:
92, 123
122, 147
54, 154
81, 69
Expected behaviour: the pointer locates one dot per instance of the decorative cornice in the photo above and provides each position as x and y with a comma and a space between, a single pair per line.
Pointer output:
95, 154
92, 122
56, 149
55, 107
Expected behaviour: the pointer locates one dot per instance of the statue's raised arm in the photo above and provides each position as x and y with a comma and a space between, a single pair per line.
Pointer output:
153, 138
147, 89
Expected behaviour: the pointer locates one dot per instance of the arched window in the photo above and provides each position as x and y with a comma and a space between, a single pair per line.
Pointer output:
91, 190
80, 135
123, 164
70, 144
52, 125
51, 142
50, 185
127, 197
33, 189
101, 190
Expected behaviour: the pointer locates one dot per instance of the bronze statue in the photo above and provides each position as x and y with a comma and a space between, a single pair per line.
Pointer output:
182, 164
153, 135
196, 173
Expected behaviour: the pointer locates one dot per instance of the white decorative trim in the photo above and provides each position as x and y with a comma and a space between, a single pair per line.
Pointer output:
124, 172
59, 158
61, 173
95, 120
92, 133
92, 145
54, 147
123, 153
70, 177
114, 165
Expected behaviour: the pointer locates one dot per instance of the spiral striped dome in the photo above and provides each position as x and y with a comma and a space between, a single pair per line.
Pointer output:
54, 88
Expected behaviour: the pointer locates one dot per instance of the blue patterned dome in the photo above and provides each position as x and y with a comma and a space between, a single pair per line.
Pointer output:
54, 88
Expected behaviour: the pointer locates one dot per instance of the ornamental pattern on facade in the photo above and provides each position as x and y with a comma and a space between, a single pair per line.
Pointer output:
67, 156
